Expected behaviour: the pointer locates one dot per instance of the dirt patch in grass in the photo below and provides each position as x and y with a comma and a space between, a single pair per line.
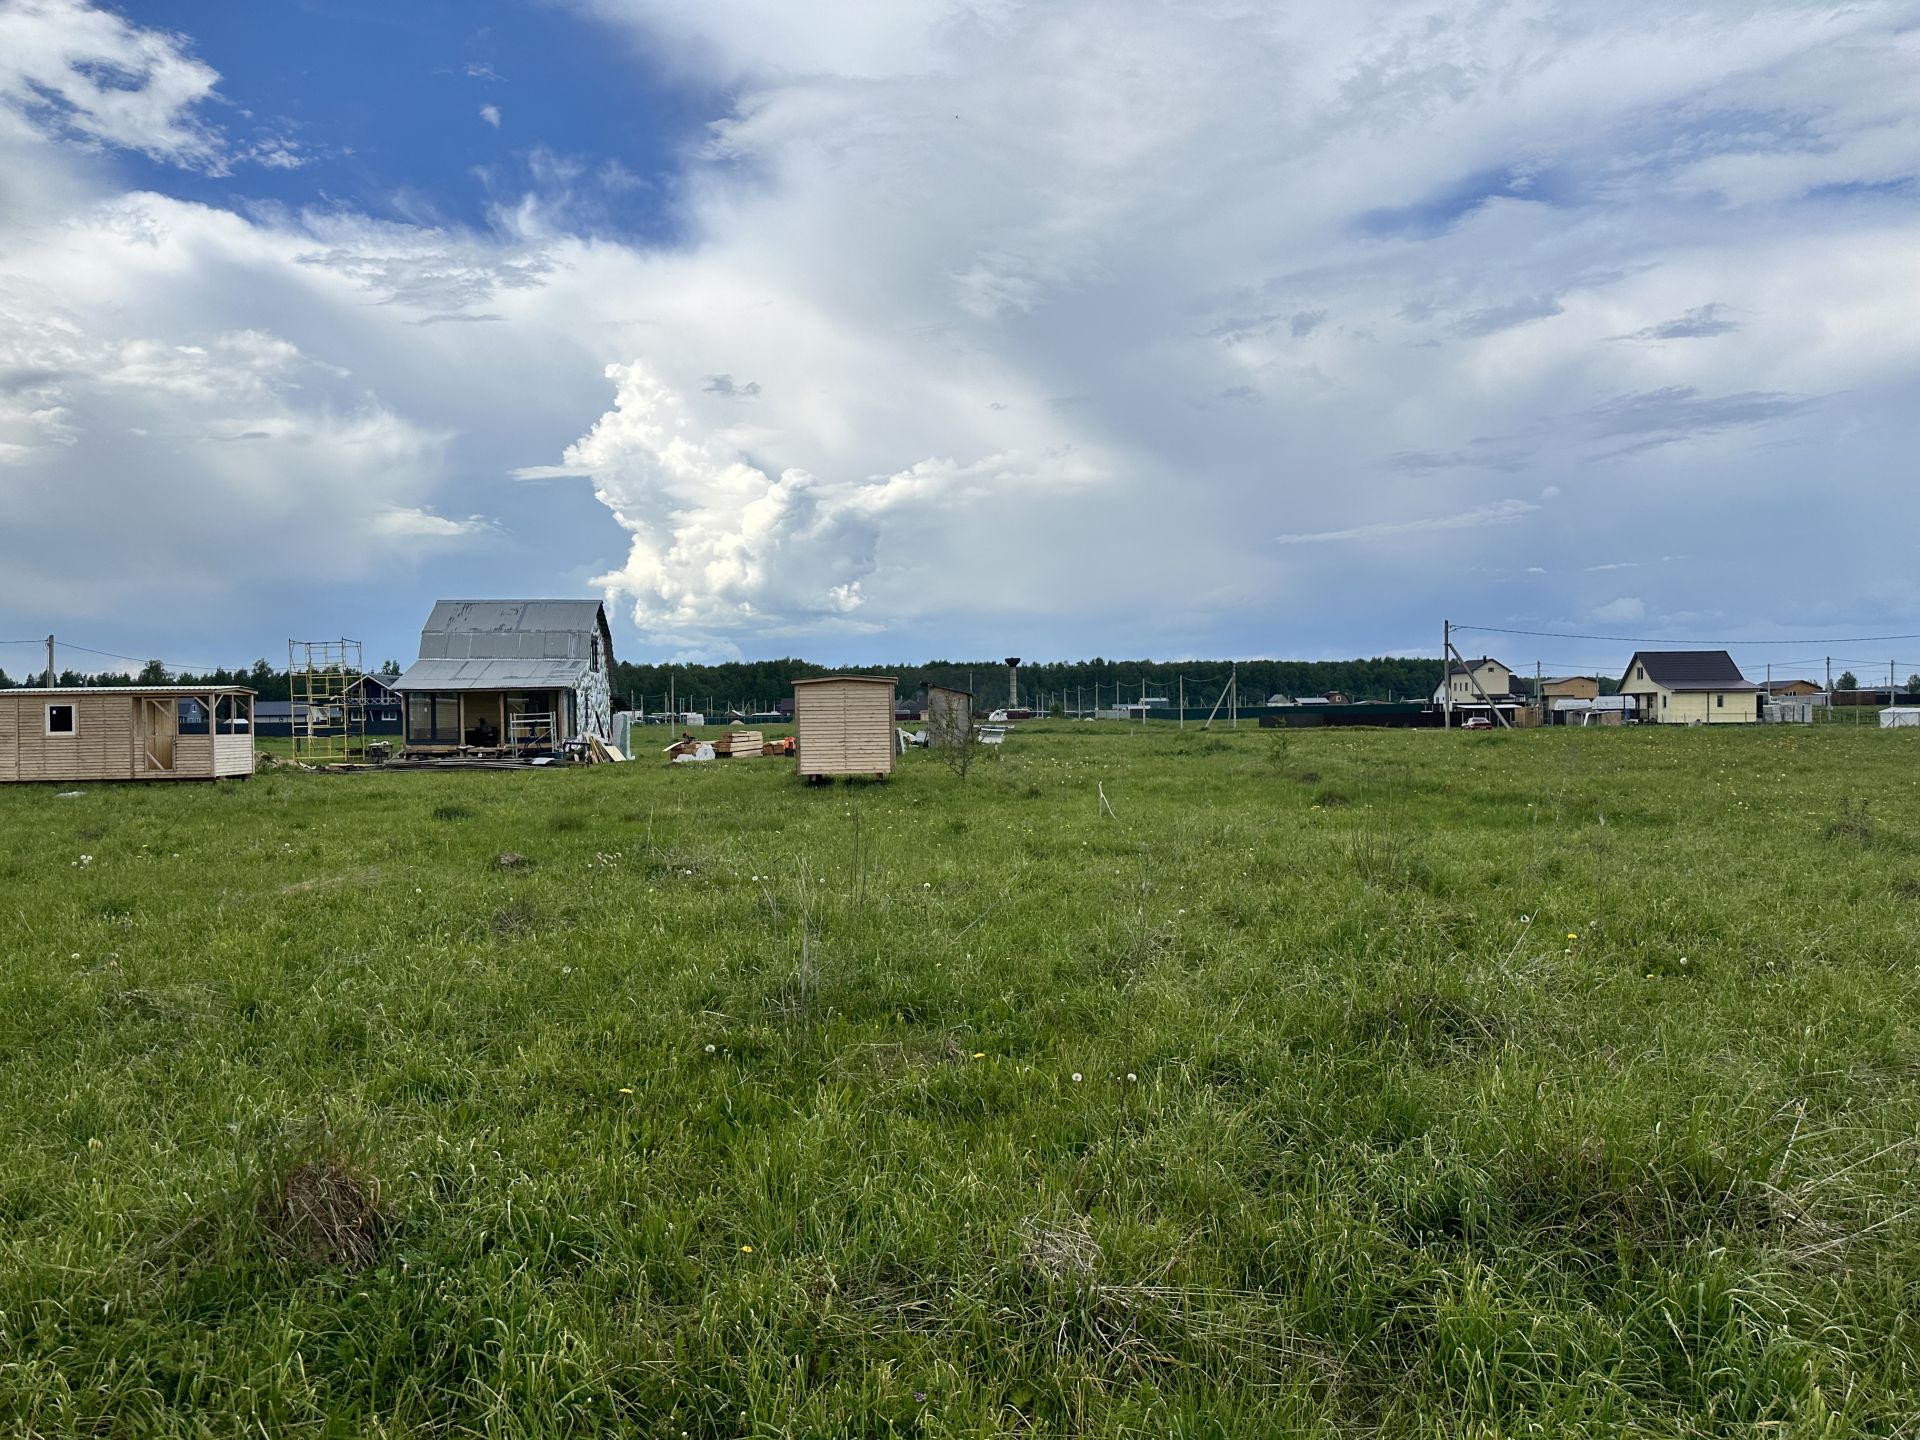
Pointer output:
1331, 800
511, 920
1062, 1254
452, 812
512, 860
323, 1213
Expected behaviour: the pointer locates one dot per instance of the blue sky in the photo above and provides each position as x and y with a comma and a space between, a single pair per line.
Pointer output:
960, 327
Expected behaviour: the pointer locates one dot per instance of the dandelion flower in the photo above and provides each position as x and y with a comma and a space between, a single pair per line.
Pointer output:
1572, 936
709, 1047
979, 1054
1132, 1079
626, 1089
1076, 1077
746, 1249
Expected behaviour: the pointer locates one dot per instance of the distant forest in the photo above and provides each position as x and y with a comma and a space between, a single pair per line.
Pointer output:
757, 684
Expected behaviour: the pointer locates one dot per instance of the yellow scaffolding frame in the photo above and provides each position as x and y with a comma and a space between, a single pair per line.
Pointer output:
329, 714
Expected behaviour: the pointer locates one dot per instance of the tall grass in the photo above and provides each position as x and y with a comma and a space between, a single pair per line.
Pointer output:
1398, 1083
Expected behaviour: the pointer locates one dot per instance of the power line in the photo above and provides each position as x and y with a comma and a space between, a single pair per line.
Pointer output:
40, 644
1661, 640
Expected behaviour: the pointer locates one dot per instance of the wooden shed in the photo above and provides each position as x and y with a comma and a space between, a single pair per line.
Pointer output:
141, 732
843, 725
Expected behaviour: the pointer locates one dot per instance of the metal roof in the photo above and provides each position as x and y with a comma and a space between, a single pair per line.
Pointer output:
514, 630
129, 690
839, 679
1690, 669
492, 675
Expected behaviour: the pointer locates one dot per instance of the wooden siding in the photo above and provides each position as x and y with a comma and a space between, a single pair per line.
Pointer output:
107, 742
101, 747
233, 755
843, 727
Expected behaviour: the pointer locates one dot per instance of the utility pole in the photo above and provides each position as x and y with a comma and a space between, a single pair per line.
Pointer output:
1233, 684
1183, 702
1829, 689
52, 674
1446, 678
1539, 701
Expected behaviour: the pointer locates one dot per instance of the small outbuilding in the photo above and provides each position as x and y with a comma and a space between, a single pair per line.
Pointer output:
139, 732
1900, 717
949, 717
843, 725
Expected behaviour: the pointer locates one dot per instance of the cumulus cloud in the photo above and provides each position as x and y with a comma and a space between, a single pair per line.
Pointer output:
491, 114
998, 269
723, 545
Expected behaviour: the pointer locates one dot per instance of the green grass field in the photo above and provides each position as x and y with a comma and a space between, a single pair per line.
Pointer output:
1389, 1083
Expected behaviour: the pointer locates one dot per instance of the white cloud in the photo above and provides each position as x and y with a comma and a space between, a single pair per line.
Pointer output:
1627, 607
1500, 512
491, 114
1032, 319
399, 522
67, 66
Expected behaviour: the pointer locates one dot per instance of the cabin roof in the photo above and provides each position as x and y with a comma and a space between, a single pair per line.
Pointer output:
68, 691
491, 675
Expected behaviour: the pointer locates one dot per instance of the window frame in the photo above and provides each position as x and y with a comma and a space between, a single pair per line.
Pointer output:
73, 718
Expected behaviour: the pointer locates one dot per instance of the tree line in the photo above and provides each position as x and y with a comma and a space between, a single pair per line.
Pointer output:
261, 677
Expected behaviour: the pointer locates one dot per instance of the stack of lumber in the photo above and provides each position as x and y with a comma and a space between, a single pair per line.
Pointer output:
739, 743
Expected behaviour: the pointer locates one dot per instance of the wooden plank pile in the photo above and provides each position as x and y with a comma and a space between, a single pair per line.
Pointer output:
739, 744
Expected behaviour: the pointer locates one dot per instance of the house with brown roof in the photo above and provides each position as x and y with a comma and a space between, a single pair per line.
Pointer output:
1569, 687
1791, 689
1689, 687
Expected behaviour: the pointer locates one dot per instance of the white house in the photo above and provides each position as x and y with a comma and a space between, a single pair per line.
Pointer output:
1459, 685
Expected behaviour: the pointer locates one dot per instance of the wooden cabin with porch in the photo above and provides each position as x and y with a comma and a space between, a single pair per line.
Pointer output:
138, 732
519, 676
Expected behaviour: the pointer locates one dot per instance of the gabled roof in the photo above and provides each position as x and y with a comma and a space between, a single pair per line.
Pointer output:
515, 630
1688, 670
1776, 686
1482, 662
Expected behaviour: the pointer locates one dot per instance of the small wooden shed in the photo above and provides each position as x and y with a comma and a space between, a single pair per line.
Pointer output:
140, 732
949, 717
843, 725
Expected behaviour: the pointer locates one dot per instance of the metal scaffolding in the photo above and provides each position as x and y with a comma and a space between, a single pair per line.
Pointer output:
323, 682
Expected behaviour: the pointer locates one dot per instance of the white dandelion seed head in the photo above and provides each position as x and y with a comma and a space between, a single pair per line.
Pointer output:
1076, 1077
710, 1047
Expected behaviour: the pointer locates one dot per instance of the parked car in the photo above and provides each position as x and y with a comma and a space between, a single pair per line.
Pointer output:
1476, 722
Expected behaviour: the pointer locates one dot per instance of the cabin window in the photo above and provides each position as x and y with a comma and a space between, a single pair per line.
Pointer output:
192, 716
1639, 672
1720, 701
433, 719
60, 720
1663, 702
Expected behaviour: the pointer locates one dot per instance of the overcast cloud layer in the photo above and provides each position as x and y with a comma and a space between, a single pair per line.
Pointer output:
1066, 328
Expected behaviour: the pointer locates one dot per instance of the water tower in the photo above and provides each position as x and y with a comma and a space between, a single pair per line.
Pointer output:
1013, 682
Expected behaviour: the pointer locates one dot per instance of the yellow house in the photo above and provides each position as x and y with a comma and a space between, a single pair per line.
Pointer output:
1569, 687
1486, 672
1689, 687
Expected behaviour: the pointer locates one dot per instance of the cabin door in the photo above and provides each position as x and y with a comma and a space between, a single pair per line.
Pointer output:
157, 727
